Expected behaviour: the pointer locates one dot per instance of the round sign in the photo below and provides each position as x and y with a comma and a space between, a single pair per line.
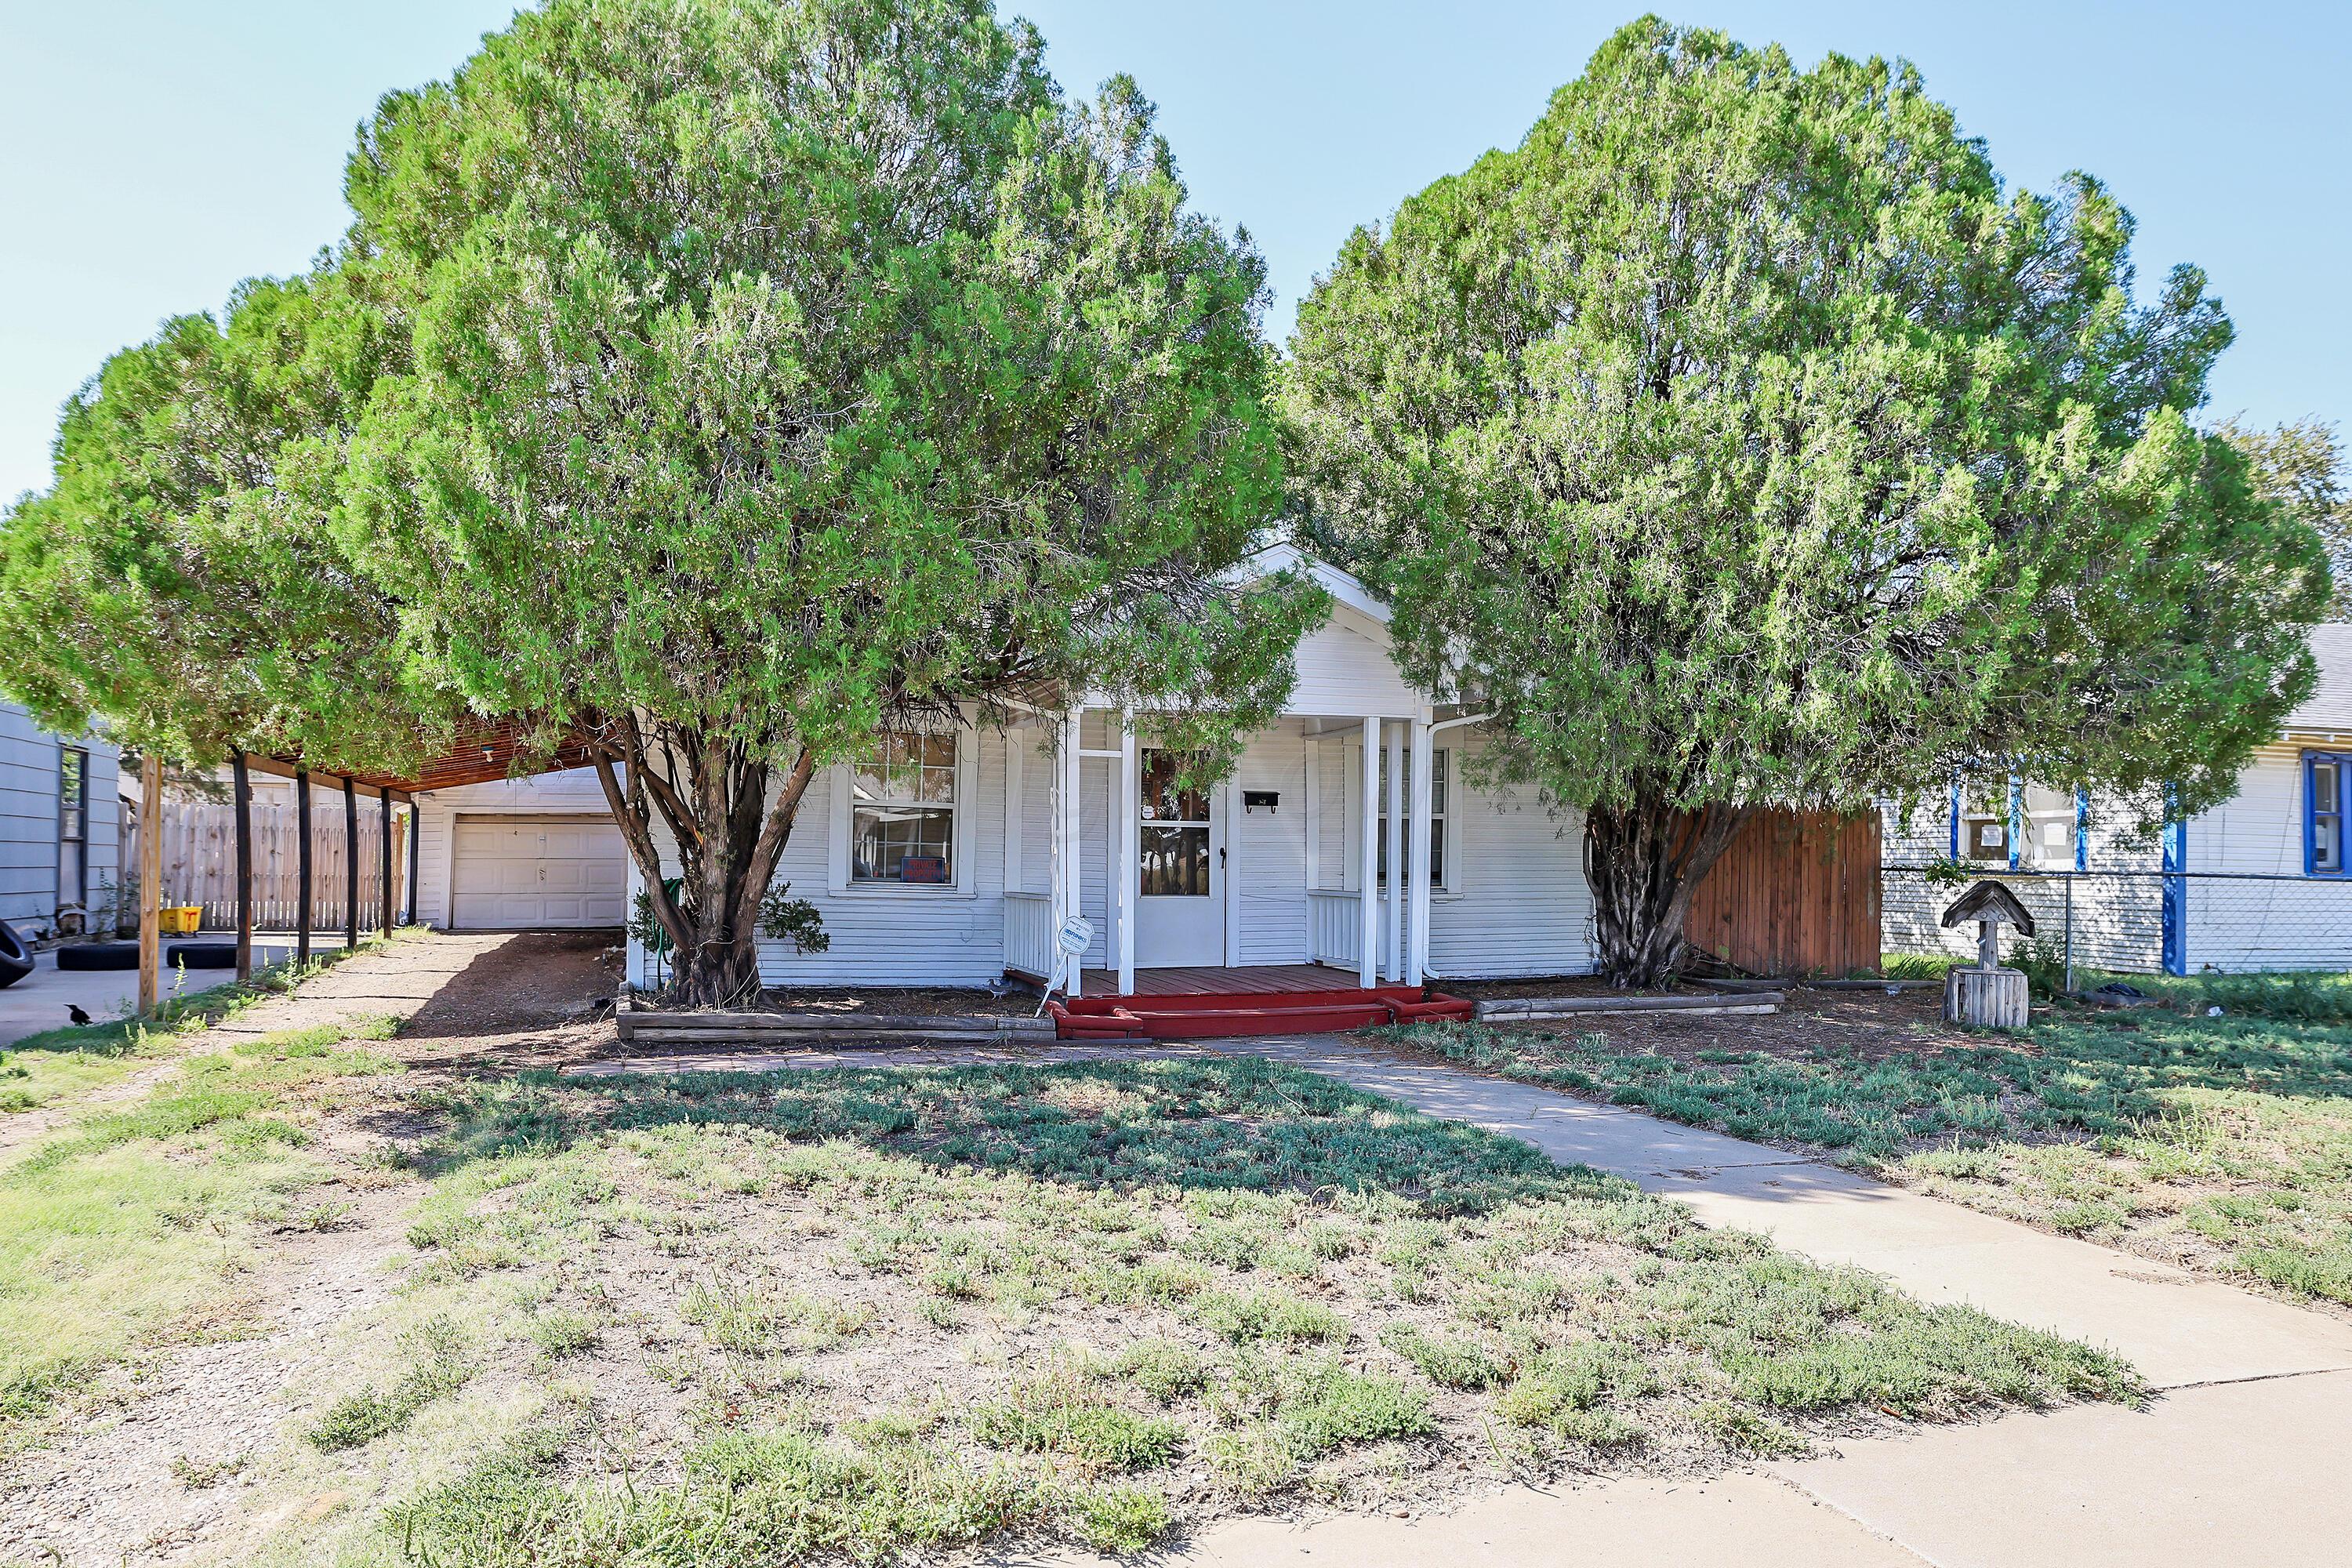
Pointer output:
1076, 935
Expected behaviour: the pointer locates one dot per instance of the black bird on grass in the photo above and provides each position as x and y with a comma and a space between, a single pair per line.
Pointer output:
73, 1011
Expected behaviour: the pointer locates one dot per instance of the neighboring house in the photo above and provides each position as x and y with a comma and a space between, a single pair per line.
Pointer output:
59, 819
2261, 881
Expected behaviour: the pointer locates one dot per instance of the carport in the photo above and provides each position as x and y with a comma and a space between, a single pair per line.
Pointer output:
481, 751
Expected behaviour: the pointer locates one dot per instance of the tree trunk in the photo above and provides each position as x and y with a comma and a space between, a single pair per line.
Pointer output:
714, 800
1643, 860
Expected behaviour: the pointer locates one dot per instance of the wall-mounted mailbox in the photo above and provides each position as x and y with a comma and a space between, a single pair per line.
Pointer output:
1254, 798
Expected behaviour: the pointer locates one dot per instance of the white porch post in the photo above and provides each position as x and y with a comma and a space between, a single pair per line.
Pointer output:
1127, 839
1066, 844
1416, 962
1393, 804
1367, 874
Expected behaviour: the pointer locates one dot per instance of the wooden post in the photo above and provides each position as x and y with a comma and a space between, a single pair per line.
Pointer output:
151, 881
303, 867
384, 793
416, 832
244, 792
351, 865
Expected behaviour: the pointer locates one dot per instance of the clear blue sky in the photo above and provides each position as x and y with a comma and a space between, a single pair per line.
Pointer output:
152, 153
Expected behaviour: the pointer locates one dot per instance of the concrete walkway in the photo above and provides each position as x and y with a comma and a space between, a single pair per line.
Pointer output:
2240, 1461
38, 1001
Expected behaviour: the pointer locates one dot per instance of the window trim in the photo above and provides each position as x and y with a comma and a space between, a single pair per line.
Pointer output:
82, 810
963, 882
1444, 822
2342, 761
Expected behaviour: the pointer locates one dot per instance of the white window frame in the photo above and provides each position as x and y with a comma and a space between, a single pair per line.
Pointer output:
962, 882
1447, 825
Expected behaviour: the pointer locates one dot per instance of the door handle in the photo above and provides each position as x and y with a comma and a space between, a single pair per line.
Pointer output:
1220, 854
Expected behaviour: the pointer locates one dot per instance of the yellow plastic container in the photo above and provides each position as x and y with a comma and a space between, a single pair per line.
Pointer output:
181, 920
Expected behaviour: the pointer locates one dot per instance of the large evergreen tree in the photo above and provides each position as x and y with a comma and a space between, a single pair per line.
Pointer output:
1739, 440
767, 373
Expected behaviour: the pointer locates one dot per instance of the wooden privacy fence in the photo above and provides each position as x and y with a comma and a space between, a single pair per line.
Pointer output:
1797, 893
200, 862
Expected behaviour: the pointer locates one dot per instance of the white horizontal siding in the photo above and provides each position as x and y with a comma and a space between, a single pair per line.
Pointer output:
2299, 922
1519, 903
1345, 671
29, 894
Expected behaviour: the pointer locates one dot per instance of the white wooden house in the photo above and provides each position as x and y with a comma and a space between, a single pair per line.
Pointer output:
60, 820
2261, 881
955, 863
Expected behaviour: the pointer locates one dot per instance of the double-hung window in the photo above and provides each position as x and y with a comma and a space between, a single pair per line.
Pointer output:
73, 825
2326, 783
1436, 817
902, 810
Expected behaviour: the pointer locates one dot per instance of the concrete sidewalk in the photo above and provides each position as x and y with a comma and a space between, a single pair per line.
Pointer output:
2240, 1462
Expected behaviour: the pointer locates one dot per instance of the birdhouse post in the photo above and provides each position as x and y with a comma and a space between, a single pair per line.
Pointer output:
1987, 996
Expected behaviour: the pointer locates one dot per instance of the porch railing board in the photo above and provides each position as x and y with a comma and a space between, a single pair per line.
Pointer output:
1334, 926
1029, 946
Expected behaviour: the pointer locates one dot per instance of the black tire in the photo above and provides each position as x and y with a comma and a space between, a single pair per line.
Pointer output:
15, 958
200, 955
99, 956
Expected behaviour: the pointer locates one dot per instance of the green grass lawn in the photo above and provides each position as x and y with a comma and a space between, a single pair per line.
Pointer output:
126, 1232
2223, 1143
61, 1063
865, 1315
861, 1314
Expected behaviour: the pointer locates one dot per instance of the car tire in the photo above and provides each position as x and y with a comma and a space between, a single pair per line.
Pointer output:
15, 956
200, 955
99, 956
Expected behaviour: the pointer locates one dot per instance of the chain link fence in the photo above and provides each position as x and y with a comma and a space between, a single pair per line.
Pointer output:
2136, 921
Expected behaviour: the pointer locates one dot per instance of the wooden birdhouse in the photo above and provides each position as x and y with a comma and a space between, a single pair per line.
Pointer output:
1987, 996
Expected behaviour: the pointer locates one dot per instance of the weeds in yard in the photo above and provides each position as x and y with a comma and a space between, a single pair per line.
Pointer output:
130, 1218
1148, 1270
440, 1362
2220, 1143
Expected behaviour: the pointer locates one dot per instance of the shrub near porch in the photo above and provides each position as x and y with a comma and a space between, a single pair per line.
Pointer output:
894, 1309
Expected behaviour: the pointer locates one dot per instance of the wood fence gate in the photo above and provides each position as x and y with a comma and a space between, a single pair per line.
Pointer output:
1797, 893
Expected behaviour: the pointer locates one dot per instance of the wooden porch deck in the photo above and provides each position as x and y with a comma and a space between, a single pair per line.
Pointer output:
1253, 979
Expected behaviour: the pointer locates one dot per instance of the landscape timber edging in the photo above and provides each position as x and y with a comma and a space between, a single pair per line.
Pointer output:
1512, 1009
640, 1024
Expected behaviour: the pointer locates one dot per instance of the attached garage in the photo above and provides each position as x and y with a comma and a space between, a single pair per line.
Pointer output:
535, 873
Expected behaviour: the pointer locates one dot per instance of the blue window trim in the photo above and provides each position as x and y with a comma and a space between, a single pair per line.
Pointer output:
2310, 812
2175, 912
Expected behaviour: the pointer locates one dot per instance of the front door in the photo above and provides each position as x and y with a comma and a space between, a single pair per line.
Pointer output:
1180, 907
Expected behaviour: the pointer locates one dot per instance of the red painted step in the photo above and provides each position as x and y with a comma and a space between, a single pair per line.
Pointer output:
1219, 1016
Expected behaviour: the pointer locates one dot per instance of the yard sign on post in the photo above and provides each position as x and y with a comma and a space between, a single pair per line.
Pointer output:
1076, 934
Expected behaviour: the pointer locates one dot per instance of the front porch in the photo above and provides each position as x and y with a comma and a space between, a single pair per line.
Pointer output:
1239, 888
1251, 980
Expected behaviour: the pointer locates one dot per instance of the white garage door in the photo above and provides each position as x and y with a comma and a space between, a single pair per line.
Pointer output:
535, 873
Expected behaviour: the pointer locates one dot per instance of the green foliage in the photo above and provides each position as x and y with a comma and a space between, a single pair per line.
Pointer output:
784, 917
2302, 467
1739, 439
723, 380
174, 578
